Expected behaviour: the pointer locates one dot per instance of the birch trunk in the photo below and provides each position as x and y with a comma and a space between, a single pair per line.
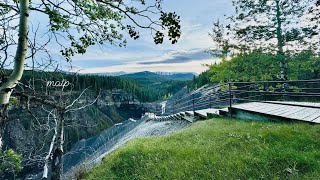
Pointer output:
47, 168
19, 59
7, 85
57, 164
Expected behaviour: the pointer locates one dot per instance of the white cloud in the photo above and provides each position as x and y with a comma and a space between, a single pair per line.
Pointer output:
196, 21
192, 66
108, 54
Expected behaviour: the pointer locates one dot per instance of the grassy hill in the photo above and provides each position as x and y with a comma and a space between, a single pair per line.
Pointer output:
220, 149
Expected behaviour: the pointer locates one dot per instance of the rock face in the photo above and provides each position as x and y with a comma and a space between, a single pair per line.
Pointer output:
30, 134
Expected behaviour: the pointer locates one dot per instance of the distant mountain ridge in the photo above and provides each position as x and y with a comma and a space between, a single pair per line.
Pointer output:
184, 76
164, 75
109, 73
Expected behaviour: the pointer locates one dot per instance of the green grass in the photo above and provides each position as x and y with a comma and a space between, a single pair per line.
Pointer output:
220, 149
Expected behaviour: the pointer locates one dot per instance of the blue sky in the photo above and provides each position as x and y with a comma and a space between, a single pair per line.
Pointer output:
188, 55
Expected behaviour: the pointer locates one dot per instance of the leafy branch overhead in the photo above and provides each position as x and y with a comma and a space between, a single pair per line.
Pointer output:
268, 25
89, 22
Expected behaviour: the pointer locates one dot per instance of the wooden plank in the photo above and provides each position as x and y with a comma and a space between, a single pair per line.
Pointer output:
188, 118
189, 113
223, 111
205, 112
306, 112
313, 115
249, 106
245, 105
213, 111
281, 109
311, 104
295, 110
265, 108
202, 113
317, 120
287, 110
291, 110
253, 108
299, 115
175, 116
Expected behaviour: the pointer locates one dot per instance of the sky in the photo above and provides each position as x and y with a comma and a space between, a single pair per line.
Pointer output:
188, 55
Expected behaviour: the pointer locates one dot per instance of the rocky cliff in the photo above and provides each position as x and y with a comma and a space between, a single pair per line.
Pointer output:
29, 132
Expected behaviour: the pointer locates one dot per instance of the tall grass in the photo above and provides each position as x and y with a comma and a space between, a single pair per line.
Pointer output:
220, 149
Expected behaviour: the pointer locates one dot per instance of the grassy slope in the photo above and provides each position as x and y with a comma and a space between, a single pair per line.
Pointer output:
220, 149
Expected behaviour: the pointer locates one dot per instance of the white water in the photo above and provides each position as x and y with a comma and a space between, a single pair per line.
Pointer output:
163, 107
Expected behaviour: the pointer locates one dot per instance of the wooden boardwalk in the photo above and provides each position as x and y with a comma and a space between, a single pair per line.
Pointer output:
301, 111
309, 112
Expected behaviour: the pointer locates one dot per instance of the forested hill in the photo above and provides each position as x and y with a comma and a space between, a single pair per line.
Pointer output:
146, 90
257, 66
168, 76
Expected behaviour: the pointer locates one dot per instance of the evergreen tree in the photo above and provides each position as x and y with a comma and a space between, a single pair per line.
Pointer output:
269, 25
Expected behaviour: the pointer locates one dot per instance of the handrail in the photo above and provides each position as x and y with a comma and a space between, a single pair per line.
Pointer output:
260, 82
234, 92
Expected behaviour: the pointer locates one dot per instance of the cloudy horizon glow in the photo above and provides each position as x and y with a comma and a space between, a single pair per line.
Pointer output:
188, 55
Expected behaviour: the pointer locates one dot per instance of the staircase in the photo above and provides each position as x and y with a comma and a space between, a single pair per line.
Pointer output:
191, 116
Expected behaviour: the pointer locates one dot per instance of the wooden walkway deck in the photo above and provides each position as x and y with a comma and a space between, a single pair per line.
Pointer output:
303, 111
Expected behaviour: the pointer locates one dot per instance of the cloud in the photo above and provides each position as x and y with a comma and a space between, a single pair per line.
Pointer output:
182, 57
113, 54
140, 55
191, 66
172, 61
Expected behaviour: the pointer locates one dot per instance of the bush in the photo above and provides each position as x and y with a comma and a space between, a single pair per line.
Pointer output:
10, 164
259, 66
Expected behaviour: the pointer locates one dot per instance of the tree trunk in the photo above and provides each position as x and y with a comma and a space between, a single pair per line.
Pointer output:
10, 82
57, 164
47, 168
7, 85
2, 125
280, 52
3, 120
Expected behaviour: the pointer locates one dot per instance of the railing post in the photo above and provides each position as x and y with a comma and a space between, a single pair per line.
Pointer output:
230, 100
264, 92
210, 100
172, 108
193, 103
285, 90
